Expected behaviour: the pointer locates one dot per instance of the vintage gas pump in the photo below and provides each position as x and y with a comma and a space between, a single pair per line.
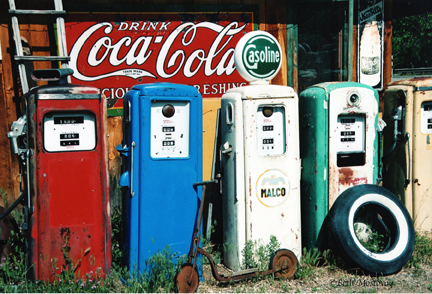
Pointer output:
408, 147
342, 205
61, 139
163, 159
339, 147
260, 154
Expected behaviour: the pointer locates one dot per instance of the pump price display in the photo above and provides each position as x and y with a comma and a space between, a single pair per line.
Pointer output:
268, 141
348, 120
69, 143
168, 129
268, 128
69, 136
426, 117
168, 143
68, 120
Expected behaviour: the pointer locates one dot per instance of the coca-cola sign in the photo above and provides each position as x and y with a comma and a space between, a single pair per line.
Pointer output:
114, 55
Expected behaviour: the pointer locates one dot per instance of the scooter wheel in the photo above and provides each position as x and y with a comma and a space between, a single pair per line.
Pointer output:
285, 263
187, 279
371, 229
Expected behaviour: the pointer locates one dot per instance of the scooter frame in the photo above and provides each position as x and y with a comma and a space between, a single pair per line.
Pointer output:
283, 264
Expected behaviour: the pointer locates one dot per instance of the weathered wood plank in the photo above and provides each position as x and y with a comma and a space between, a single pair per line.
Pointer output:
115, 136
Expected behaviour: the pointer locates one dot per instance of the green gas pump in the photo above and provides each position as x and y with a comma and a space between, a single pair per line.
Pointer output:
339, 144
342, 205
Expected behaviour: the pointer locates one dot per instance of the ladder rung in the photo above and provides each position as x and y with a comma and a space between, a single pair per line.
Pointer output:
42, 58
43, 12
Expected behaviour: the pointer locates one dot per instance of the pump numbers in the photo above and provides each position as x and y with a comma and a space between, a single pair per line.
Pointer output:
69, 136
268, 141
347, 133
268, 128
348, 120
69, 143
168, 143
168, 129
66, 120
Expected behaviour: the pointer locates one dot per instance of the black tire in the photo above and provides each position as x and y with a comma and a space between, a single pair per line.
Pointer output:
386, 221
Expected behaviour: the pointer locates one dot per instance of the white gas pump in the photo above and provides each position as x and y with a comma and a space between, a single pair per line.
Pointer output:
260, 154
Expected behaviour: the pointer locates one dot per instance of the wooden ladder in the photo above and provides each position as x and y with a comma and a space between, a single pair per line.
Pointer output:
20, 58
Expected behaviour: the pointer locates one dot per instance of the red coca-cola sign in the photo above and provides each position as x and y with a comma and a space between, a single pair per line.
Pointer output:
114, 53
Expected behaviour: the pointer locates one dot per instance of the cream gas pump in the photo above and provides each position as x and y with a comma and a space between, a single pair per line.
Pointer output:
260, 154
408, 147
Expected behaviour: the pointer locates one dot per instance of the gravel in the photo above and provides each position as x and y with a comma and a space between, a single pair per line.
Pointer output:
328, 279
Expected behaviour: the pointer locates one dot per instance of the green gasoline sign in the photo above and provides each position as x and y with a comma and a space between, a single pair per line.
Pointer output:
258, 56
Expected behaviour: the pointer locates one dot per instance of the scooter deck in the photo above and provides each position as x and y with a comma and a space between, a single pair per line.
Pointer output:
239, 273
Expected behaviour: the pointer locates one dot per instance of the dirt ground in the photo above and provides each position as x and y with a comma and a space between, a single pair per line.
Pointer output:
331, 280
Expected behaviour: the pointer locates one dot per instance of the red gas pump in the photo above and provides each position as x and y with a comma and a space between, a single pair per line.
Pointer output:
63, 146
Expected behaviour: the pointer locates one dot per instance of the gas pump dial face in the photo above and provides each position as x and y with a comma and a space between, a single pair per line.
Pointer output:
169, 129
69, 131
351, 133
271, 130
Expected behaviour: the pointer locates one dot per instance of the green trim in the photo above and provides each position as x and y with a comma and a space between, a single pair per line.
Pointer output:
115, 112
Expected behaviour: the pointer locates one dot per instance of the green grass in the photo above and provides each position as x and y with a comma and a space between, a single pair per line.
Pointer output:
159, 277
422, 253
162, 267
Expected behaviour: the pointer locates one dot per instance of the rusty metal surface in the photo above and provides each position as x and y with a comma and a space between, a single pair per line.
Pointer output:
283, 264
187, 279
70, 226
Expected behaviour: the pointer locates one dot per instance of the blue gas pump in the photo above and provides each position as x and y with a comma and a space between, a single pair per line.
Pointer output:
163, 159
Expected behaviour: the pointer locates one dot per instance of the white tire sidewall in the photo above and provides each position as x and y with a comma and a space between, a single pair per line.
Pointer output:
394, 209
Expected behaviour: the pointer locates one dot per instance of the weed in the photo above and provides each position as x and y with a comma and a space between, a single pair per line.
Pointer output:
310, 260
116, 232
248, 255
369, 238
422, 252
365, 290
214, 251
259, 256
285, 287
330, 260
311, 257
